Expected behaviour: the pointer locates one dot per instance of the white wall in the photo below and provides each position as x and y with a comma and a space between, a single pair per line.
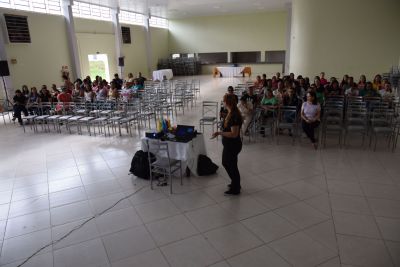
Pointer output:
40, 61
235, 33
344, 36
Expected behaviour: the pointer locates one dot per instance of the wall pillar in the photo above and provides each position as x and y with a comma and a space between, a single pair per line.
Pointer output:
118, 39
3, 56
149, 48
288, 36
72, 42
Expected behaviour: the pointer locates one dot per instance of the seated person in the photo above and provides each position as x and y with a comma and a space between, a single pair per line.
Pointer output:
33, 101
250, 96
333, 89
136, 85
246, 109
377, 83
322, 78
44, 94
387, 93
117, 81
141, 79
19, 106
362, 82
320, 91
113, 94
89, 95
231, 92
310, 116
126, 94
258, 83
353, 91
64, 98
269, 101
369, 91
290, 98
54, 93
129, 80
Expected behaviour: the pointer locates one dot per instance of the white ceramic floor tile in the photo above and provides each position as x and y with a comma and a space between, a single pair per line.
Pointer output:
89, 253
30, 191
394, 250
323, 233
157, 210
344, 188
27, 223
65, 184
302, 190
192, 200
353, 204
69, 213
5, 197
390, 228
356, 224
321, 203
118, 220
302, 215
28, 206
42, 260
269, 226
232, 239
68, 196
152, 258
363, 251
128, 243
258, 257
4, 211
102, 203
210, 217
275, 198
102, 188
384, 207
21, 247
243, 207
301, 250
194, 251
82, 233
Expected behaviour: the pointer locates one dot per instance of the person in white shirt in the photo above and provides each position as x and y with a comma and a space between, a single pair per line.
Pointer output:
387, 91
246, 109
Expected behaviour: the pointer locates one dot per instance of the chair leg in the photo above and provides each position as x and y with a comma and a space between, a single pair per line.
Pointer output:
170, 180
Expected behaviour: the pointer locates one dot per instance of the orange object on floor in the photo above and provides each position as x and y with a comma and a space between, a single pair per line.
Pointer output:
216, 72
246, 70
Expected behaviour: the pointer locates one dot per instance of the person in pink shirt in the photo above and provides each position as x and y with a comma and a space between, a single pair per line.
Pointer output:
322, 79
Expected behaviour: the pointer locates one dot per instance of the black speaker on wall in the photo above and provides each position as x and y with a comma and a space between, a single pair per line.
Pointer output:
121, 61
4, 71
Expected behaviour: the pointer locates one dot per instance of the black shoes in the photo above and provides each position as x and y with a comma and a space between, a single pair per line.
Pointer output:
232, 192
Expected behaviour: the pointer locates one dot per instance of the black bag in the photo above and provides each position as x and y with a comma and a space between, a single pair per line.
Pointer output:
205, 166
140, 164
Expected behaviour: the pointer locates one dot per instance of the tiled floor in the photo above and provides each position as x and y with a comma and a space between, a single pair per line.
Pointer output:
299, 207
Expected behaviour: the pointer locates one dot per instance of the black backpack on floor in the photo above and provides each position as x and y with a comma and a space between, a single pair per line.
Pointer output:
205, 166
140, 164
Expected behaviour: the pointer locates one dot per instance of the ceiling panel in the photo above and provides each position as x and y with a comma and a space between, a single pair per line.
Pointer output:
193, 8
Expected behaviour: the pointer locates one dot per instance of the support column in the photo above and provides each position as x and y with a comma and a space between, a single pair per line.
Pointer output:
71, 36
3, 56
118, 38
149, 48
288, 36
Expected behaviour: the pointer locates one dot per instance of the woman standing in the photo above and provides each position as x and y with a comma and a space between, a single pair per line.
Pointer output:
231, 142
310, 116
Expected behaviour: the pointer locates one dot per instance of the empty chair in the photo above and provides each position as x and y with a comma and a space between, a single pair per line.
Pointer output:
287, 119
163, 164
332, 123
356, 123
382, 123
209, 114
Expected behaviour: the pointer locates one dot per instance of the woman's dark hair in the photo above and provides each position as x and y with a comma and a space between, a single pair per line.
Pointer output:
314, 96
18, 91
243, 98
230, 101
230, 88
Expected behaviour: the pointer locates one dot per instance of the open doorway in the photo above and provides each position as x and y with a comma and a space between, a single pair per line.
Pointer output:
98, 65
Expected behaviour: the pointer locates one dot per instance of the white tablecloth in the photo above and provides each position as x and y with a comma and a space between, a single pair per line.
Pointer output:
230, 71
159, 74
188, 152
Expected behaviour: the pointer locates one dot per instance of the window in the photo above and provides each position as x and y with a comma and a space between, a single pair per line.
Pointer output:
126, 35
98, 65
176, 56
89, 11
42, 6
213, 58
275, 57
246, 57
158, 22
131, 18
17, 28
